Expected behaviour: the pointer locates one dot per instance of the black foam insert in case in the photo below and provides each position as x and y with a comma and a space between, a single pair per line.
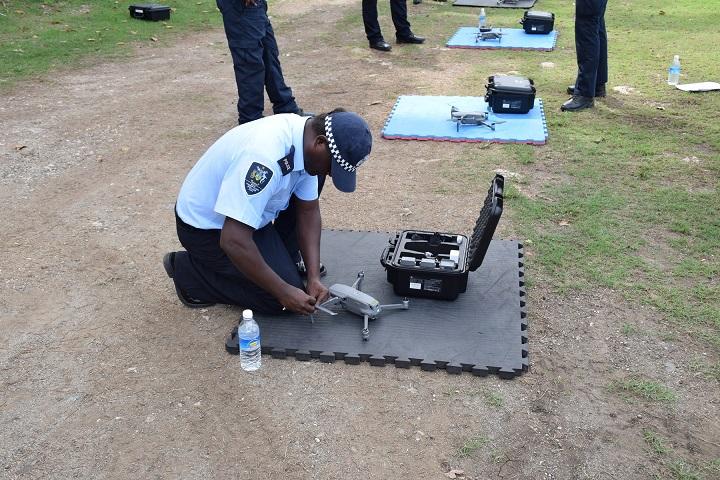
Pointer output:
436, 265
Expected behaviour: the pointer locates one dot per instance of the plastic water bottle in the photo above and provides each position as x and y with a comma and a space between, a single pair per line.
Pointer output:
674, 71
482, 19
249, 341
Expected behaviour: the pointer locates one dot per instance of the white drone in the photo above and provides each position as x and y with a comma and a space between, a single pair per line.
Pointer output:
357, 302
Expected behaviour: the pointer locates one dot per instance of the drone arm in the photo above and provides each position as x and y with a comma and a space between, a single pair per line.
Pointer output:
397, 306
358, 282
323, 306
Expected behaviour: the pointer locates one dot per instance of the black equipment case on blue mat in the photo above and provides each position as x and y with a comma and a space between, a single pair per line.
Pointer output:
150, 11
537, 22
436, 265
510, 94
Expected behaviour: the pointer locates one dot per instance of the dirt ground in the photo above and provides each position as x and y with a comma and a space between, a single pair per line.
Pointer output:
106, 375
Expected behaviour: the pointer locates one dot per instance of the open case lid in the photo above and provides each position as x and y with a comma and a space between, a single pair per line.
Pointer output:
486, 223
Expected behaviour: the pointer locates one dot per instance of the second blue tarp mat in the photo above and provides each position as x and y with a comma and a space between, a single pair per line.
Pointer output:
417, 117
512, 38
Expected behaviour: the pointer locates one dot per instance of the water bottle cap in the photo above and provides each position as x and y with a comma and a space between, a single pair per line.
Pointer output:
482, 11
676, 58
247, 314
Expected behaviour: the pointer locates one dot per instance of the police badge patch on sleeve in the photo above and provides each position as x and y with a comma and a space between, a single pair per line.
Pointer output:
257, 178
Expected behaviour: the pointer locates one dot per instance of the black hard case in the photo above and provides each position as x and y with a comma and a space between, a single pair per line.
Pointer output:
510, 94
433, 281
537, 22
149, 11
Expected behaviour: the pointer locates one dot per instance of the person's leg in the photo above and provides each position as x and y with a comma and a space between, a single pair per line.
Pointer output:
205, 273
278, 92
244, 29
587, 49
370, 20
602, 73
398, 10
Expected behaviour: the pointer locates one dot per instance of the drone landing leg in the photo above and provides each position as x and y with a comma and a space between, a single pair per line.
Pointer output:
365, 330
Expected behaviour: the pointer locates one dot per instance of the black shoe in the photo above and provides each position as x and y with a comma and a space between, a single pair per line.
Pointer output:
599, 91
577, 102
410, 39
169, 265
303, 272
381, 45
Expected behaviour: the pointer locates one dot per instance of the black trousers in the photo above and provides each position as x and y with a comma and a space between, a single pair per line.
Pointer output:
398, 10
256, 60
204, 272
590, 46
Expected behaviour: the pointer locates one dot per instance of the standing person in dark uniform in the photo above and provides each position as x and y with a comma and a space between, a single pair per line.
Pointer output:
398, 10
255, 59
591, 51
249, 207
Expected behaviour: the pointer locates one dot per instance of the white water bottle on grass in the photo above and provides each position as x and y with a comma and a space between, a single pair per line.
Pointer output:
482, 19
674, 71
249, 342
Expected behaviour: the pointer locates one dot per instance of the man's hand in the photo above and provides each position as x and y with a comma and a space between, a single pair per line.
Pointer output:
298, 301
317, 290
250, 3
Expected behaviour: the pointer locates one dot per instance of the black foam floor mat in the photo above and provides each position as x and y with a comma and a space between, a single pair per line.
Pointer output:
494, 4
483, 331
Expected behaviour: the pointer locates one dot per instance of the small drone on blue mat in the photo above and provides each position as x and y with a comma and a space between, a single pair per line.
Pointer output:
355, 301
469, 117
487, 33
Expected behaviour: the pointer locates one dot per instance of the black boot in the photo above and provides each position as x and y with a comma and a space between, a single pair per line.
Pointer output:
577, 102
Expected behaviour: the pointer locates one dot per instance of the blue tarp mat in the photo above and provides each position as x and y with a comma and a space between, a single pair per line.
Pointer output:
417, 117
513, 38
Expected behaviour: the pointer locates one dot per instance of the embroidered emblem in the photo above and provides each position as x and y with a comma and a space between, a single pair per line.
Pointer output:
287, 163
257, 178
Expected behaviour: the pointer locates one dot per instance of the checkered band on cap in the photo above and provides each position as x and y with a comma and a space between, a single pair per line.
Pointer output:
334, 150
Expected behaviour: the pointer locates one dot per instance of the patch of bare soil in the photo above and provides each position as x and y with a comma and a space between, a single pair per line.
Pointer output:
105, 375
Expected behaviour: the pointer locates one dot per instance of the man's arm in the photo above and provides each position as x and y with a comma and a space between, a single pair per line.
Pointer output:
236, 240
309, 226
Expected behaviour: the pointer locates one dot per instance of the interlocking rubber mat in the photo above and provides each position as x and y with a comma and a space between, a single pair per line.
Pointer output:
494, 4
416, 117
512, 39
483, 331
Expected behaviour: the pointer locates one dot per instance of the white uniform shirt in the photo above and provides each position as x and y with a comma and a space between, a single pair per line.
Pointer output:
246, 175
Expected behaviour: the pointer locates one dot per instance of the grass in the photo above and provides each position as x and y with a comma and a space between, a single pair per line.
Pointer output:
645, 390
707, 369
683, 471
472, 445
629, 329
678, 468
41, 37
656, 442
493, 399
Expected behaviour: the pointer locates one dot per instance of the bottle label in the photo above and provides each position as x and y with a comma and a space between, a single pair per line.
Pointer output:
249, 343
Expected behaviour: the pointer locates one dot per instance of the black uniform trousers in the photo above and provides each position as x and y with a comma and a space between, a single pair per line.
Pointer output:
204, 272
398, 11
255, 60
590, 46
